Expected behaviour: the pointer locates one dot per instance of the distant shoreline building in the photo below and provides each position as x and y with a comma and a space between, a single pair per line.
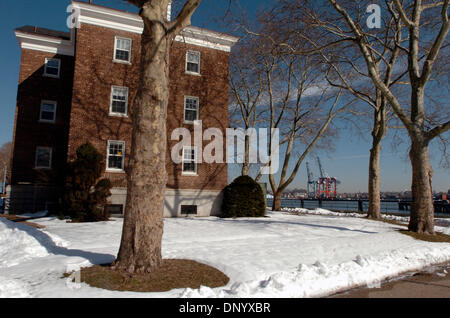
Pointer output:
79, 86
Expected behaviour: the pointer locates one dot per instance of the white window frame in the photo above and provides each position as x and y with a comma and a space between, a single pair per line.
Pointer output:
198, 109
115, 49
36, 158
50, 102
183, 160
123, 156
199, 63
111, 113
45, 68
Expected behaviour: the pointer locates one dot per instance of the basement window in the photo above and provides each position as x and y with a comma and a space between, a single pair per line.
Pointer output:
122, 50
193, 62
52, 67
114, 209
188, 209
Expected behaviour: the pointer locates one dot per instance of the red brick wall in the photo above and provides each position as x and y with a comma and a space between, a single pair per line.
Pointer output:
29, 132
95, 73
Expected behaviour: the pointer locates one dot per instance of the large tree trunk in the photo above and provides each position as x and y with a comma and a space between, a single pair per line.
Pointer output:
422, 209
276, 204
140, 249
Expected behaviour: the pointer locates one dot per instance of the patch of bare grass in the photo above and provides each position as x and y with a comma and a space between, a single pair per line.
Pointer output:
172, 274
437, 237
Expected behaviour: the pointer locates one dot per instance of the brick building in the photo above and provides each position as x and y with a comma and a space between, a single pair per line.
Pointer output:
79, 86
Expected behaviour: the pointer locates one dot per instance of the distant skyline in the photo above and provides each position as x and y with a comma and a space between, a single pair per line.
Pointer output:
349, 163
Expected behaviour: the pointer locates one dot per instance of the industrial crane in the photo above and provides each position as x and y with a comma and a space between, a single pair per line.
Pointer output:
325, 187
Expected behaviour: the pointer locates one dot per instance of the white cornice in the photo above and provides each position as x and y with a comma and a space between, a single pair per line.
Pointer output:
44, 43
130, 22
109, 18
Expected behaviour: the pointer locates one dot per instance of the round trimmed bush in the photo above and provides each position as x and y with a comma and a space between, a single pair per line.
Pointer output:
243, 198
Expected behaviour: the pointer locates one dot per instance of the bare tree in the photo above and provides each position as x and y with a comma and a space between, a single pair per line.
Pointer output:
410, 14
302, 118
298, 101
5, 160
346, 71
247, 92
423, 26
140, 248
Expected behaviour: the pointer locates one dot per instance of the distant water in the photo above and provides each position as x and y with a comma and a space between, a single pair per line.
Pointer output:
386, 207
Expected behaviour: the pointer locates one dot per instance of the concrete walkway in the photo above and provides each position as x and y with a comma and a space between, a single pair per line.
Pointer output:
433, 282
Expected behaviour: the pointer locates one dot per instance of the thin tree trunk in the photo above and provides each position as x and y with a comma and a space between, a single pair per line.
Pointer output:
378, 133
246, 164
140, 249
422, 209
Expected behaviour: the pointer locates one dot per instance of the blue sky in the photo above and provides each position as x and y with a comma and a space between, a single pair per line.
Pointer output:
349, 163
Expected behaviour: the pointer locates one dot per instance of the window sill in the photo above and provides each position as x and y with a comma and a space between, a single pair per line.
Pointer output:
122, 62
189, 174
51, 76
192, 73
188, 122
43, 168
115, 171
43, 121
118, 115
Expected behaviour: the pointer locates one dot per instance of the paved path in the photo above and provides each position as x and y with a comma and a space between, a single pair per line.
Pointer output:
434, 282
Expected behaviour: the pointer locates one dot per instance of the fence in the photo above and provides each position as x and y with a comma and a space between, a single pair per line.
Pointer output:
387, 206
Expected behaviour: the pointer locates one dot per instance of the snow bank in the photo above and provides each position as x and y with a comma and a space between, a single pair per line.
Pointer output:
319, 211
10, 288
321, 279
18, 244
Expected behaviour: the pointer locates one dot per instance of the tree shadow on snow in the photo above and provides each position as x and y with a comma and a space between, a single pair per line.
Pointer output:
47, 242
258, 221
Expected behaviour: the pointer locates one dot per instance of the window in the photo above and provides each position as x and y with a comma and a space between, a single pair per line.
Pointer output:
52, 67
114, 209
193, 62
48, 112
116, 155
189, 160
122, 50
188, 209
119, 101
190, 109
43, 158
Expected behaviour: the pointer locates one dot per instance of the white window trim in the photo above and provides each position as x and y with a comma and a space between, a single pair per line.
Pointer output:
54, 114
36, 158
115, 48
199, 63
45, 68
198, 109
111, 113
189, 173
123, 156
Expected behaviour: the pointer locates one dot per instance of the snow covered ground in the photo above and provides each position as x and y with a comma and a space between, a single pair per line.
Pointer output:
313, 254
